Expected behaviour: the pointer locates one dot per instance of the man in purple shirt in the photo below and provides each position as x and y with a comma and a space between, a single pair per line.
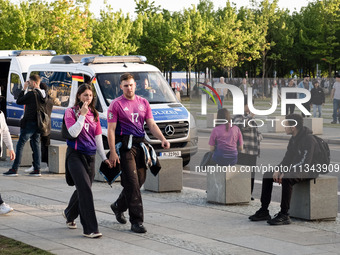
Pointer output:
126, 117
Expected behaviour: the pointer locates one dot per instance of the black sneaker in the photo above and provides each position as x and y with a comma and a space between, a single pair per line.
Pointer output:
333, 122
10, 172
119, 215
35, 173
261, 214
138, 228
280, 219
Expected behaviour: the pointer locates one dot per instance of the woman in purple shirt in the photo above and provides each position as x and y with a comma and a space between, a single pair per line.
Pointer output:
225, 140
82, 122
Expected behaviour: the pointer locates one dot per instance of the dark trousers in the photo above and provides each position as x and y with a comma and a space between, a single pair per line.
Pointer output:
45, 142
81, 201
1, 201
288, 182
248, 160
132, 178
290, 108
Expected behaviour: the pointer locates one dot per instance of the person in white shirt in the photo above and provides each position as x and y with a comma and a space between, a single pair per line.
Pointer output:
221, 90
335, 96
6, 137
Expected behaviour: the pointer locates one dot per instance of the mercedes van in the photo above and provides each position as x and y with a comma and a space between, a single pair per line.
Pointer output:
14, 66
64, 73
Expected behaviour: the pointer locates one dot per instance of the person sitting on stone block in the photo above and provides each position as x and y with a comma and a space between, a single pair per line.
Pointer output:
294, 168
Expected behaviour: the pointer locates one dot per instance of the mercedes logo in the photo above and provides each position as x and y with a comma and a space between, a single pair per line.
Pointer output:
169, 130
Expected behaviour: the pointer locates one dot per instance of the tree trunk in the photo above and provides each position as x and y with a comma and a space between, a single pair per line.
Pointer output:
189, 79
264, 91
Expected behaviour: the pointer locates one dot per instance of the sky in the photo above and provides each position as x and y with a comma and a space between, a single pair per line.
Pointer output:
128, 6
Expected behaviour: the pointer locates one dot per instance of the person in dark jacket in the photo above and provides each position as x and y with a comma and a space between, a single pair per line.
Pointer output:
291, 95
45, 138
295, 167
317, 99
29, 125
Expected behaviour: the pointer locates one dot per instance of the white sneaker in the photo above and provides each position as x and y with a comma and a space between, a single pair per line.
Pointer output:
5, 208
93, 235
28, 170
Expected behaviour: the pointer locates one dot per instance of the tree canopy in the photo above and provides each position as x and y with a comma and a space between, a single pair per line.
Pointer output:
261, 39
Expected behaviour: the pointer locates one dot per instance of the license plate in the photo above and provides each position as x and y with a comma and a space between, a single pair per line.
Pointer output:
171, 153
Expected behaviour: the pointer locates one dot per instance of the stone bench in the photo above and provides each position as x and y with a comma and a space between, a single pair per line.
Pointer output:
275, 126
211, 117
315, 201
314, 124
169, 178
228, 185
57, 158
27, 154
208, 118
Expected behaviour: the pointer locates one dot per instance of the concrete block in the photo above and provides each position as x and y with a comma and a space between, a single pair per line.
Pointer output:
228, 185
314, 124
274, 125
210, 119
169, 178
98, 176
314, 201
27, 154
57, 158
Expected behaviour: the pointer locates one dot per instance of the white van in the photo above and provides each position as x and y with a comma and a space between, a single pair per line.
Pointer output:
14, 65
64, 72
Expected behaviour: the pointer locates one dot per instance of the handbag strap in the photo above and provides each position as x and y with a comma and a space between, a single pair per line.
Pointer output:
37, 101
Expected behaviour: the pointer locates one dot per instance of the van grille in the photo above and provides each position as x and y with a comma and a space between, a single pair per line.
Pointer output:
171, 130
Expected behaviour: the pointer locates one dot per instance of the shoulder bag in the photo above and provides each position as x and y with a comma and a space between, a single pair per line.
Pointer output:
64, 131
43, 120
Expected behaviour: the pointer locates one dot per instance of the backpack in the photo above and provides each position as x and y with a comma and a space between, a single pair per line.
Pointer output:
324, 157
64, 131
43, 120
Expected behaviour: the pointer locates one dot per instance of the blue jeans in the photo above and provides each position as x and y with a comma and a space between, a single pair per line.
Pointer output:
223, 159
336, 106
219, 106
319, 107
30, 131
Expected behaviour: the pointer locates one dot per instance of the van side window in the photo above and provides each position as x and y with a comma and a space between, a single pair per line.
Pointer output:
59, 85
109, 86
16, 85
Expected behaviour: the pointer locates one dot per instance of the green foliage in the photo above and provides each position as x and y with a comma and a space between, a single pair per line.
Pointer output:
111, 33
35, 19
318, 34
69, 28
12, 32
145, 7
260, 38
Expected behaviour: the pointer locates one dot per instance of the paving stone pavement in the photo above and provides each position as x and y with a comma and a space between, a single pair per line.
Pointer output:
177, 223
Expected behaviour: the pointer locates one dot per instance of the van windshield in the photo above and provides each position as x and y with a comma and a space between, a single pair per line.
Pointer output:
150, 85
